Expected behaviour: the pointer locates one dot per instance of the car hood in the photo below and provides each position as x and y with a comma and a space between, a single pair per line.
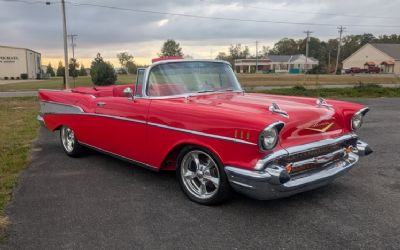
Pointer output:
306, 122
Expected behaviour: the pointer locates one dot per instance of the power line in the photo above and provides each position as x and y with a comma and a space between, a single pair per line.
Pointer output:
212, 17
318, 13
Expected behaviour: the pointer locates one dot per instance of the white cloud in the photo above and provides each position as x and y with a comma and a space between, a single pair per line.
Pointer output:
162, 22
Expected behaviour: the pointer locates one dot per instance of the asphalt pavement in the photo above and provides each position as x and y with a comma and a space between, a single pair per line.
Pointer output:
98, 202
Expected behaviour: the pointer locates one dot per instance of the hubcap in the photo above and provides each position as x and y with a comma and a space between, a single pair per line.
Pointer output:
68, 139
200, 174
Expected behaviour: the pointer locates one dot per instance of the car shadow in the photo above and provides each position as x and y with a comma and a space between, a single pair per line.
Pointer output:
158, 180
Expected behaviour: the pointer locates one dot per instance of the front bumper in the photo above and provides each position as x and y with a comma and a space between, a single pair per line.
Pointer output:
272, 180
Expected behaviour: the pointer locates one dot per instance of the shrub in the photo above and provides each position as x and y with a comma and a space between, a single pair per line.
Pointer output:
6, 78
24, 76
12, 78
18, 78
102, 72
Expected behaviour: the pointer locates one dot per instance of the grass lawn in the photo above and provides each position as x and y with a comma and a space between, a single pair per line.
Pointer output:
361, 91
57, 83
17, 131
256, 80
247, 80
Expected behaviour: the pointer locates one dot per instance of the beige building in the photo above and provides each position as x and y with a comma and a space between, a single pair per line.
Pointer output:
383, 55
276, 63
17, 61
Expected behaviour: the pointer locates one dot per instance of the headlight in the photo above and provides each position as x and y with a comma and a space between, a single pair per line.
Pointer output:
269, 136
357, 119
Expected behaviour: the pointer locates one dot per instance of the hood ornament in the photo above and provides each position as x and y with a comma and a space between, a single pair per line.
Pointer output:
274, 108
321, 102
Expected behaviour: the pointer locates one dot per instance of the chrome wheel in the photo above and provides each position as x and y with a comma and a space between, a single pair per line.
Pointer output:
68, 139
200, 174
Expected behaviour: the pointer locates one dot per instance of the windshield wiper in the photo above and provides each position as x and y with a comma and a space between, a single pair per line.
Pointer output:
205, 91
226, 90
213, 90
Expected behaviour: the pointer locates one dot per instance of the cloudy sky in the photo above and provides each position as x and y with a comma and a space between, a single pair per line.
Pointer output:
32, 24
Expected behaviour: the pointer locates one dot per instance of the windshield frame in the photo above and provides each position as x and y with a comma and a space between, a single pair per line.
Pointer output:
148, 71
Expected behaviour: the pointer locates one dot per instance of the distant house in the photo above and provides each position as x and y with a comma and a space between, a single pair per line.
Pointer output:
277, 63
383, 55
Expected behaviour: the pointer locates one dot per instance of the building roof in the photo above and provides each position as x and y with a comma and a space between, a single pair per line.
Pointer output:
288, 58
11, 47
392, 50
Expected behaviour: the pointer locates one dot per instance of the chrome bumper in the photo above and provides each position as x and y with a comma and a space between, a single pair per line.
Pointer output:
40, 119
274, 181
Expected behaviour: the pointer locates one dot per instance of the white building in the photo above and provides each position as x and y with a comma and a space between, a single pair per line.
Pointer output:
17, 61
277, 63
383, 55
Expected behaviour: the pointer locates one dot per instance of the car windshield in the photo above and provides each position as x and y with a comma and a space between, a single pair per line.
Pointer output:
175, 78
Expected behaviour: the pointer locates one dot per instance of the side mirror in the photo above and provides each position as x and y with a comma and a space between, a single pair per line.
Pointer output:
128, 92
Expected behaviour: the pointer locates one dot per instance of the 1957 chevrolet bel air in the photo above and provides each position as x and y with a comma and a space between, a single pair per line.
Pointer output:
192, 117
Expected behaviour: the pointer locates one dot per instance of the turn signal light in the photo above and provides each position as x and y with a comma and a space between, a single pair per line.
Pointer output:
289, 167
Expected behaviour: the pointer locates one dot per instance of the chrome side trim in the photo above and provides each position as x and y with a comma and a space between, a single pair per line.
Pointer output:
59, 108
80, 111
142, 164
300, 149
201, 133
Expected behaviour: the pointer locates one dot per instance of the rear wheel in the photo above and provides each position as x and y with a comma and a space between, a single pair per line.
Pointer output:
202, 177
69, 142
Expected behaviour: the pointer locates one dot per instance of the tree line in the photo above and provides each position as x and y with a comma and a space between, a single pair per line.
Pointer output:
324, 51
103, 72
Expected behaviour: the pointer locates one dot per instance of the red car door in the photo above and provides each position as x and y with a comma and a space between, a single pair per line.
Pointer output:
122, 126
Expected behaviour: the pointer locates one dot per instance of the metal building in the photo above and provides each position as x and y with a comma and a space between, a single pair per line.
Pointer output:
14, 62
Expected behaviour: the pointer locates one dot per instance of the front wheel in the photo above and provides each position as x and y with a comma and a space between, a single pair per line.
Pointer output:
202, 177
69, 142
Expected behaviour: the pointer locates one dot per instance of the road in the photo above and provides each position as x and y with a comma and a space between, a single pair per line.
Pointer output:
98, 202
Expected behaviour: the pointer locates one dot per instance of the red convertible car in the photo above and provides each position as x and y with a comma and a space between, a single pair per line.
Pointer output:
192, 117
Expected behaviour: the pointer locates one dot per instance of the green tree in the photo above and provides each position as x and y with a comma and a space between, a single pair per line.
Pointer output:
101, 72
285, 46
223, 56
82, 71
73, 68
171, 48
60, 69
50, 70
131, 67
127, 62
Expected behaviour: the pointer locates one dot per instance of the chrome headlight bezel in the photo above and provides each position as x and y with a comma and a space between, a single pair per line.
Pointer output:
357, 119
269, 137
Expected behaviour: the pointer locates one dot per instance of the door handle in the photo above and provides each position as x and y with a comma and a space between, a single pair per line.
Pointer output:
100, 104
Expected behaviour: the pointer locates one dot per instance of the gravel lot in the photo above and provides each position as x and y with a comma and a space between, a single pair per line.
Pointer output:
98, 202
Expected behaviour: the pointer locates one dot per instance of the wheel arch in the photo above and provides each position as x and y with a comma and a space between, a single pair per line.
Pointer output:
169, 161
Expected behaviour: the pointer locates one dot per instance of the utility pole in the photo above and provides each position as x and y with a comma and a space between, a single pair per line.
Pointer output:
329, 61
73, 53
66, 85
256, 56
341, 29
307, 41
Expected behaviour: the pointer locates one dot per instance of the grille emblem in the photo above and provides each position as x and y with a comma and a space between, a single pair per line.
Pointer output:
323, 129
